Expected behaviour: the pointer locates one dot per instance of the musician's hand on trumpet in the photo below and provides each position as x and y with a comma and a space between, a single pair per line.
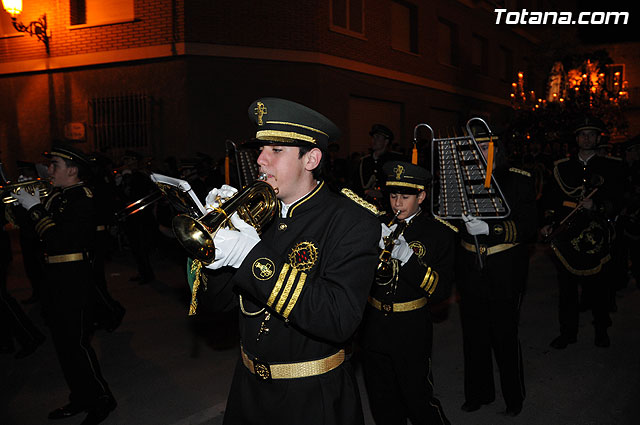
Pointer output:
218, 196
401, 250
26, 199
233, 245
475, 226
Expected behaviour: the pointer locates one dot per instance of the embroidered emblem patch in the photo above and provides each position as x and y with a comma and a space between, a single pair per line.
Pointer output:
260, 111
263, 268
418, 248
498, 229
303, 256
399, 171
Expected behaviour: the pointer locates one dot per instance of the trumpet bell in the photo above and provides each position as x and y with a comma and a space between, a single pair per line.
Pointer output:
256, 205
196, 239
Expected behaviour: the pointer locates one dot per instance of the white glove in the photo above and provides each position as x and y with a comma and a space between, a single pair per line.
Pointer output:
217, 197
401, 250
475, 226
232, 246
386, 231
26, 199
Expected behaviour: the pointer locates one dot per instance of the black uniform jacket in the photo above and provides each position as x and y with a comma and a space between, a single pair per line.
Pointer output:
505, 270
575, 180
428, 273
66, 224
312, 271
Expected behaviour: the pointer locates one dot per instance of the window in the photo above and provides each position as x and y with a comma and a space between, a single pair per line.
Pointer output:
505, 64
480, 54
121, 123
95, 12
404, 26
347, 16
447, 42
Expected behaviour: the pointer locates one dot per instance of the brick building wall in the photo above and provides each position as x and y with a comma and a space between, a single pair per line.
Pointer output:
202, 62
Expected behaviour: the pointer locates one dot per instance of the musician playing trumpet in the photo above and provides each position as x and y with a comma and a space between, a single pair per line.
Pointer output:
397, 330
301, 285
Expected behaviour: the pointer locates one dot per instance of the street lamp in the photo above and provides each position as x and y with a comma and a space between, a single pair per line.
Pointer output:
37, 28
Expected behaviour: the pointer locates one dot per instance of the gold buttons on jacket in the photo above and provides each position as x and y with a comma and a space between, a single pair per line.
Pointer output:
282, 227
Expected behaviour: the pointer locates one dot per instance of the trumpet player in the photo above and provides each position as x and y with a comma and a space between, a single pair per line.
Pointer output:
301, 286
66, 226
397, 330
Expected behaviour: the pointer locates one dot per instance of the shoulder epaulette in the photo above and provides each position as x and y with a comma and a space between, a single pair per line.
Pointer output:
446, 223
364, 204
519, 171
88, 192
561, 161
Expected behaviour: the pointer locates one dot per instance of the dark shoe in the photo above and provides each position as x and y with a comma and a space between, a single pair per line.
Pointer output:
513, 410
116, 320
67, 411
562, 341
28, 349
602, 338
32, 299
470, 406
7, 348
99, 412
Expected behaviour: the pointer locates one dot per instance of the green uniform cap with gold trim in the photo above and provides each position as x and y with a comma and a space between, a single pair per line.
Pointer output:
71, 153
404, 177
283, 122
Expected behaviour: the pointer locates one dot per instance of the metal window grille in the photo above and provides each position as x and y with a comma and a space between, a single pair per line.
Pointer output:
121, 123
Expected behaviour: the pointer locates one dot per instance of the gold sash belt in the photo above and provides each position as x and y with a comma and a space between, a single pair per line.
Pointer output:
65, 258
265, 371
488, 250
398, 307
101, 228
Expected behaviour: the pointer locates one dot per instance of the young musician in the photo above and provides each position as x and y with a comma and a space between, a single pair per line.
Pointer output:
301, 285
397, 331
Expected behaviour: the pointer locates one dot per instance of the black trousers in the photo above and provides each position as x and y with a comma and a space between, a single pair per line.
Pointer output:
491, 327
490, 313
396, 359
71, 334
596, 292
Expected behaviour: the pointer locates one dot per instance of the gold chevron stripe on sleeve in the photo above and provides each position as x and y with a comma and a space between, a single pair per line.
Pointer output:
515, 231
287, 289
434, 284
42, 222
296, 295
426, 278
45, 228
278, 285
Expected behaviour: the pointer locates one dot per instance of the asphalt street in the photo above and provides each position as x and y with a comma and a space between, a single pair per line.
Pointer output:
167, 368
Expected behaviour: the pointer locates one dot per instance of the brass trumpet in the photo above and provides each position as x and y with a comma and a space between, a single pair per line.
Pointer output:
28, 185
386, 271
256, 204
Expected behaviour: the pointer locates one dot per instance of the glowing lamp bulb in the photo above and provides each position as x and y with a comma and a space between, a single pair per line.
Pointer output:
13, 7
